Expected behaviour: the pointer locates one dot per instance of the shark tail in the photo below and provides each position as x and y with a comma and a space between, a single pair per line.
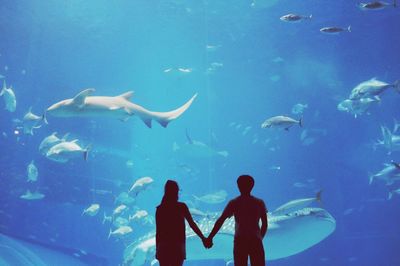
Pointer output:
301, 122
163, 118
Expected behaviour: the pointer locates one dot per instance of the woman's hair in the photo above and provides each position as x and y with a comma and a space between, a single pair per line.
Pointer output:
171, 190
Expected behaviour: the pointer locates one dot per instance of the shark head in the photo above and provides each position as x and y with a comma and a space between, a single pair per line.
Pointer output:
287, 235
63, 108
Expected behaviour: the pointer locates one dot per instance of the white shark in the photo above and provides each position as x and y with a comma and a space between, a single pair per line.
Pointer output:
287, 235
84, 105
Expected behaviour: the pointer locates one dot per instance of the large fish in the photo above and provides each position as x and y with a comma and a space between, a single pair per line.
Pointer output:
287, 235
84, 105
372, 88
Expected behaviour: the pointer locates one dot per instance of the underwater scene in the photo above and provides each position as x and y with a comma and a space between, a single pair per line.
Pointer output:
102, 102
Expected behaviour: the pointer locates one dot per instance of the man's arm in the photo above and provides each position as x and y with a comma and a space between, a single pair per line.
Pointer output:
225, 215
264, 219
264, 224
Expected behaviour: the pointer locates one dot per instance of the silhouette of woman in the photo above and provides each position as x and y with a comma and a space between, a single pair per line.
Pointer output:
170, 227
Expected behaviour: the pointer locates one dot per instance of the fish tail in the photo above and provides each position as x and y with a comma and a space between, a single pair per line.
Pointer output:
104, 217
318, 196
349, 28
301, 122
109, 234
371, 178
310, 16
163, 118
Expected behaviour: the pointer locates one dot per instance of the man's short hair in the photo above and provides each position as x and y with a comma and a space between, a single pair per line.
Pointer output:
245, 183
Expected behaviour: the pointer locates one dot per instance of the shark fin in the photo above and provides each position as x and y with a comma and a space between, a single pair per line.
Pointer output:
79, 99
127, 95
147, 121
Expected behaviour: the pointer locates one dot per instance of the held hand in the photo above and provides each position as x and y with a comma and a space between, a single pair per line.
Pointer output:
207, 242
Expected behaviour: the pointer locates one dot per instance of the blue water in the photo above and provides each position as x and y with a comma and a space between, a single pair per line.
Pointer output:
51, 50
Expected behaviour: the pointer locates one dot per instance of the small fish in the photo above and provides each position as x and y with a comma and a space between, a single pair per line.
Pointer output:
372, 88
32, 172
140, 185
50, 141
107, 218
64, 151
138, 215
334, 30
281, 121
92, 210
32, 121
376, 5
32, 196
120, 231
118, 210
390, 173
294, 18
297, 204
213, 198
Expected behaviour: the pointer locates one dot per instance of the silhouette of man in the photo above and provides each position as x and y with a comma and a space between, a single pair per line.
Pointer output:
170, 227
247, 210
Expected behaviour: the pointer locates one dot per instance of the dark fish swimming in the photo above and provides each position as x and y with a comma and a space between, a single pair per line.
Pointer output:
334, 30
294, 18
376, 5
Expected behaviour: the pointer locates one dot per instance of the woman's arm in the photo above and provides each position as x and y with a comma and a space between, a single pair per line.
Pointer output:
192, 224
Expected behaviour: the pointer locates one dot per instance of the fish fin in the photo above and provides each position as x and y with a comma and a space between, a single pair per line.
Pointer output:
188, 138
371, 178
147, 121
318, 196
127, 95
79, 99
64, 138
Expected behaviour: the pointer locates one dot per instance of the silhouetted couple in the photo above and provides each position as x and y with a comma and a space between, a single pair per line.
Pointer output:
247, 210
